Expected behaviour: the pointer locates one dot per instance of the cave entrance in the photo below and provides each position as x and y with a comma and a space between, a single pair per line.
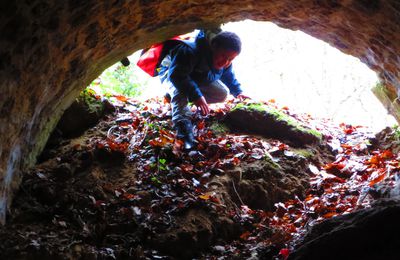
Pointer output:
291, 67
122, 206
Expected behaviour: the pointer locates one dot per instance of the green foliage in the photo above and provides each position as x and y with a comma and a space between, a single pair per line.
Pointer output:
396, 132
156, 181
162, 164
119, 79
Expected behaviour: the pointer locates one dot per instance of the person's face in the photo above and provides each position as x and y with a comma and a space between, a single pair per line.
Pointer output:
223, 58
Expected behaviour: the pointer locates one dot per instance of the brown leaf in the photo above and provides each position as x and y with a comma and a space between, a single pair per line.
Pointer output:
329, 215
245, 235
204, 197
378, 178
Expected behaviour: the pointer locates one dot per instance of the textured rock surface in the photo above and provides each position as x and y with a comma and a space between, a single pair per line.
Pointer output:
352, 235
50, 50
271, 123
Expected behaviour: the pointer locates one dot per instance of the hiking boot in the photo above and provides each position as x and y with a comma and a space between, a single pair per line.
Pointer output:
184, 131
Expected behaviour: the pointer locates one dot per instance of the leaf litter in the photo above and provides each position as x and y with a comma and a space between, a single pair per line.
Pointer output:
124, 189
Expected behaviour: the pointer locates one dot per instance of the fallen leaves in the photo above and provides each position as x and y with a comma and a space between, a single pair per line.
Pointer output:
169, 181
377, 176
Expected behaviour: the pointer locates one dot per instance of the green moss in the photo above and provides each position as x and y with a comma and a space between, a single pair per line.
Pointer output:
259, 107
388, 97
219, 129
381, 91
94, 105
304, 153
279, 116
271, 163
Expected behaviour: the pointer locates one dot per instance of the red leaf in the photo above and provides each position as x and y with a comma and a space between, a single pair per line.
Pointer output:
374, 160
136, 123
161, 141
348, 131
377, 179
187, 167
284, 252
215, 199
128, 196
245, 235
387, 154
121, 98
282, 146
346, 146
332, 166
201, 125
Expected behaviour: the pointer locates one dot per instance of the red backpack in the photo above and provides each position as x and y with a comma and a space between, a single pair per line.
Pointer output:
151, 58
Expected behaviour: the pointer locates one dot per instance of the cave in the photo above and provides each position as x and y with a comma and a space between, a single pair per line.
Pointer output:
51, 50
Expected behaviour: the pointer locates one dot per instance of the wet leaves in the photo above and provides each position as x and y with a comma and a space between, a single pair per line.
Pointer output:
167, 181
339, 187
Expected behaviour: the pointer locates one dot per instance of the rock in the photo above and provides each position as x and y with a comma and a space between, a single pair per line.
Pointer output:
261, 184
194, 233
64, 171
366, 234
107, 156
271, 123
144, 198
84, 113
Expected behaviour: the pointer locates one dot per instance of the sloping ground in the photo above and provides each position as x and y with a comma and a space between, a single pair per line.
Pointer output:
125, 189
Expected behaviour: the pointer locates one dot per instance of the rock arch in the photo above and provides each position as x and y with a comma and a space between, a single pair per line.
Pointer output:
50, 50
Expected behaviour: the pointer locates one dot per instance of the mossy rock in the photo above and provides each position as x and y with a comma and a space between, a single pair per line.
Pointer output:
269, 122
83, 113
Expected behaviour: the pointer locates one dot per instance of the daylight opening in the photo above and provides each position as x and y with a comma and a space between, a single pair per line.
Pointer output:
294, 69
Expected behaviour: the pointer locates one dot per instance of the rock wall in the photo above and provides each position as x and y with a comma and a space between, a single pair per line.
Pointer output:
50, 50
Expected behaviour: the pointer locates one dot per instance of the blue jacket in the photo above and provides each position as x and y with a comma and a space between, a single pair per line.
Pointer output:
191, 66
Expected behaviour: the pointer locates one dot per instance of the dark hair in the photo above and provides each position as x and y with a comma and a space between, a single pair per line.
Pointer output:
227, 41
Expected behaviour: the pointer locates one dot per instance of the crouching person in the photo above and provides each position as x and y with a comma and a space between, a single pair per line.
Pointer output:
199, 71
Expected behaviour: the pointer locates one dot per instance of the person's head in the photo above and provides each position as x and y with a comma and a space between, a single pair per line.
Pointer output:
225, 47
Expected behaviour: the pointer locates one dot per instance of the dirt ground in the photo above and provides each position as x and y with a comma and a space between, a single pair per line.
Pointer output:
124, 190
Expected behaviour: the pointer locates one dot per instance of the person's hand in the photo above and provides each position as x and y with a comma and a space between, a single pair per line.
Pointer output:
242, 97
202, 104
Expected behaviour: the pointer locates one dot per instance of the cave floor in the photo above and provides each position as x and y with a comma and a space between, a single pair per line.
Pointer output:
125, 189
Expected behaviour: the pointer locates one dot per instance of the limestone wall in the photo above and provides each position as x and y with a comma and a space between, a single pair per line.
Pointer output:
50, 50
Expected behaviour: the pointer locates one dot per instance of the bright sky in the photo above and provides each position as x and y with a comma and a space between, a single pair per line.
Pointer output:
303, 73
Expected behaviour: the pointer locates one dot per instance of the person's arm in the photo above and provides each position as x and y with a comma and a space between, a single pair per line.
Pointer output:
229, 79
182, 65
